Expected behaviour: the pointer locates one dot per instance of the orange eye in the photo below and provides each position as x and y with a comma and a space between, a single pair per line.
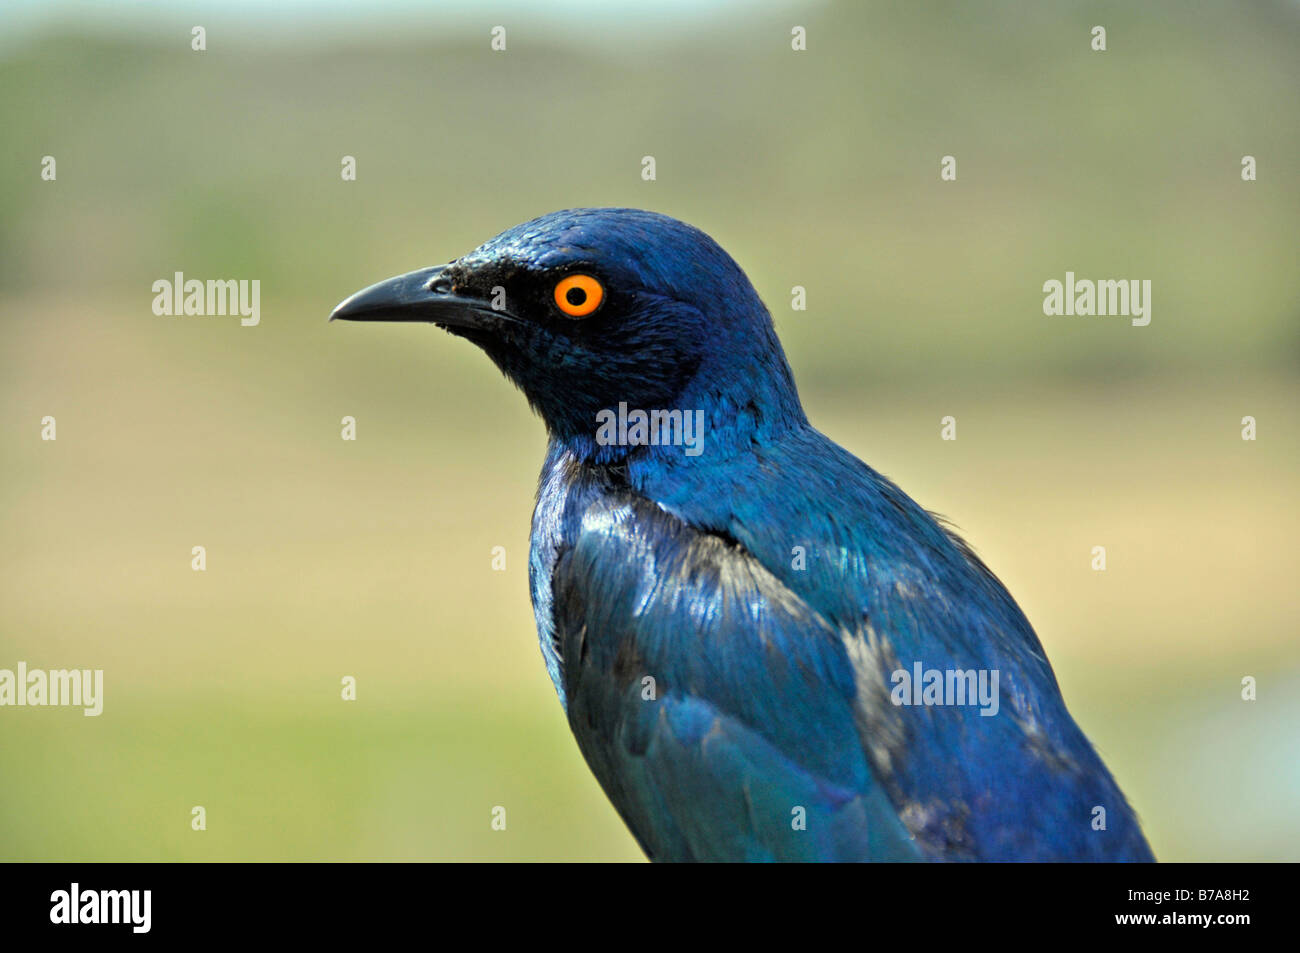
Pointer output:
579, 295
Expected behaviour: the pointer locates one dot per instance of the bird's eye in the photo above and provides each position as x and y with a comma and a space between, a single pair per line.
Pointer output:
579, 295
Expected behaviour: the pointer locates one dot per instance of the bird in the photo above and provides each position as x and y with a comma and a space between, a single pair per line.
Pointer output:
765, 650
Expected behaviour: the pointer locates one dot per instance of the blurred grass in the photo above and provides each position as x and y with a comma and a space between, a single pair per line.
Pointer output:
372, 558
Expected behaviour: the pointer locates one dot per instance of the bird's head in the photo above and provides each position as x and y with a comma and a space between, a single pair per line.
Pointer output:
587, 309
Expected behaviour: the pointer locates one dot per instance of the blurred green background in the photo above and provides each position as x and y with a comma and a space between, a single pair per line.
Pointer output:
821, 168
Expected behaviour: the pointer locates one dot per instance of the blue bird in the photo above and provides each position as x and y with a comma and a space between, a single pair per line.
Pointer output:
765, 649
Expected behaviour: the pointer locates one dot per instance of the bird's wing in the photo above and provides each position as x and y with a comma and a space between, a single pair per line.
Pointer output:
717, 710
902, 592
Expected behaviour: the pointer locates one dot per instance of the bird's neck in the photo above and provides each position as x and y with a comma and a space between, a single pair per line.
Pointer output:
716, 417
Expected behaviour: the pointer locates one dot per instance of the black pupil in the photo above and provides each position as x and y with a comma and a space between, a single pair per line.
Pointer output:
576, 297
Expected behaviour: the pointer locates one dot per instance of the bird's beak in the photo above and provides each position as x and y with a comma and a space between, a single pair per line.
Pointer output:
417, 296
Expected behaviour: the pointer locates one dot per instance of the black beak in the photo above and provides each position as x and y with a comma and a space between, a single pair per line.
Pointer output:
417, 296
